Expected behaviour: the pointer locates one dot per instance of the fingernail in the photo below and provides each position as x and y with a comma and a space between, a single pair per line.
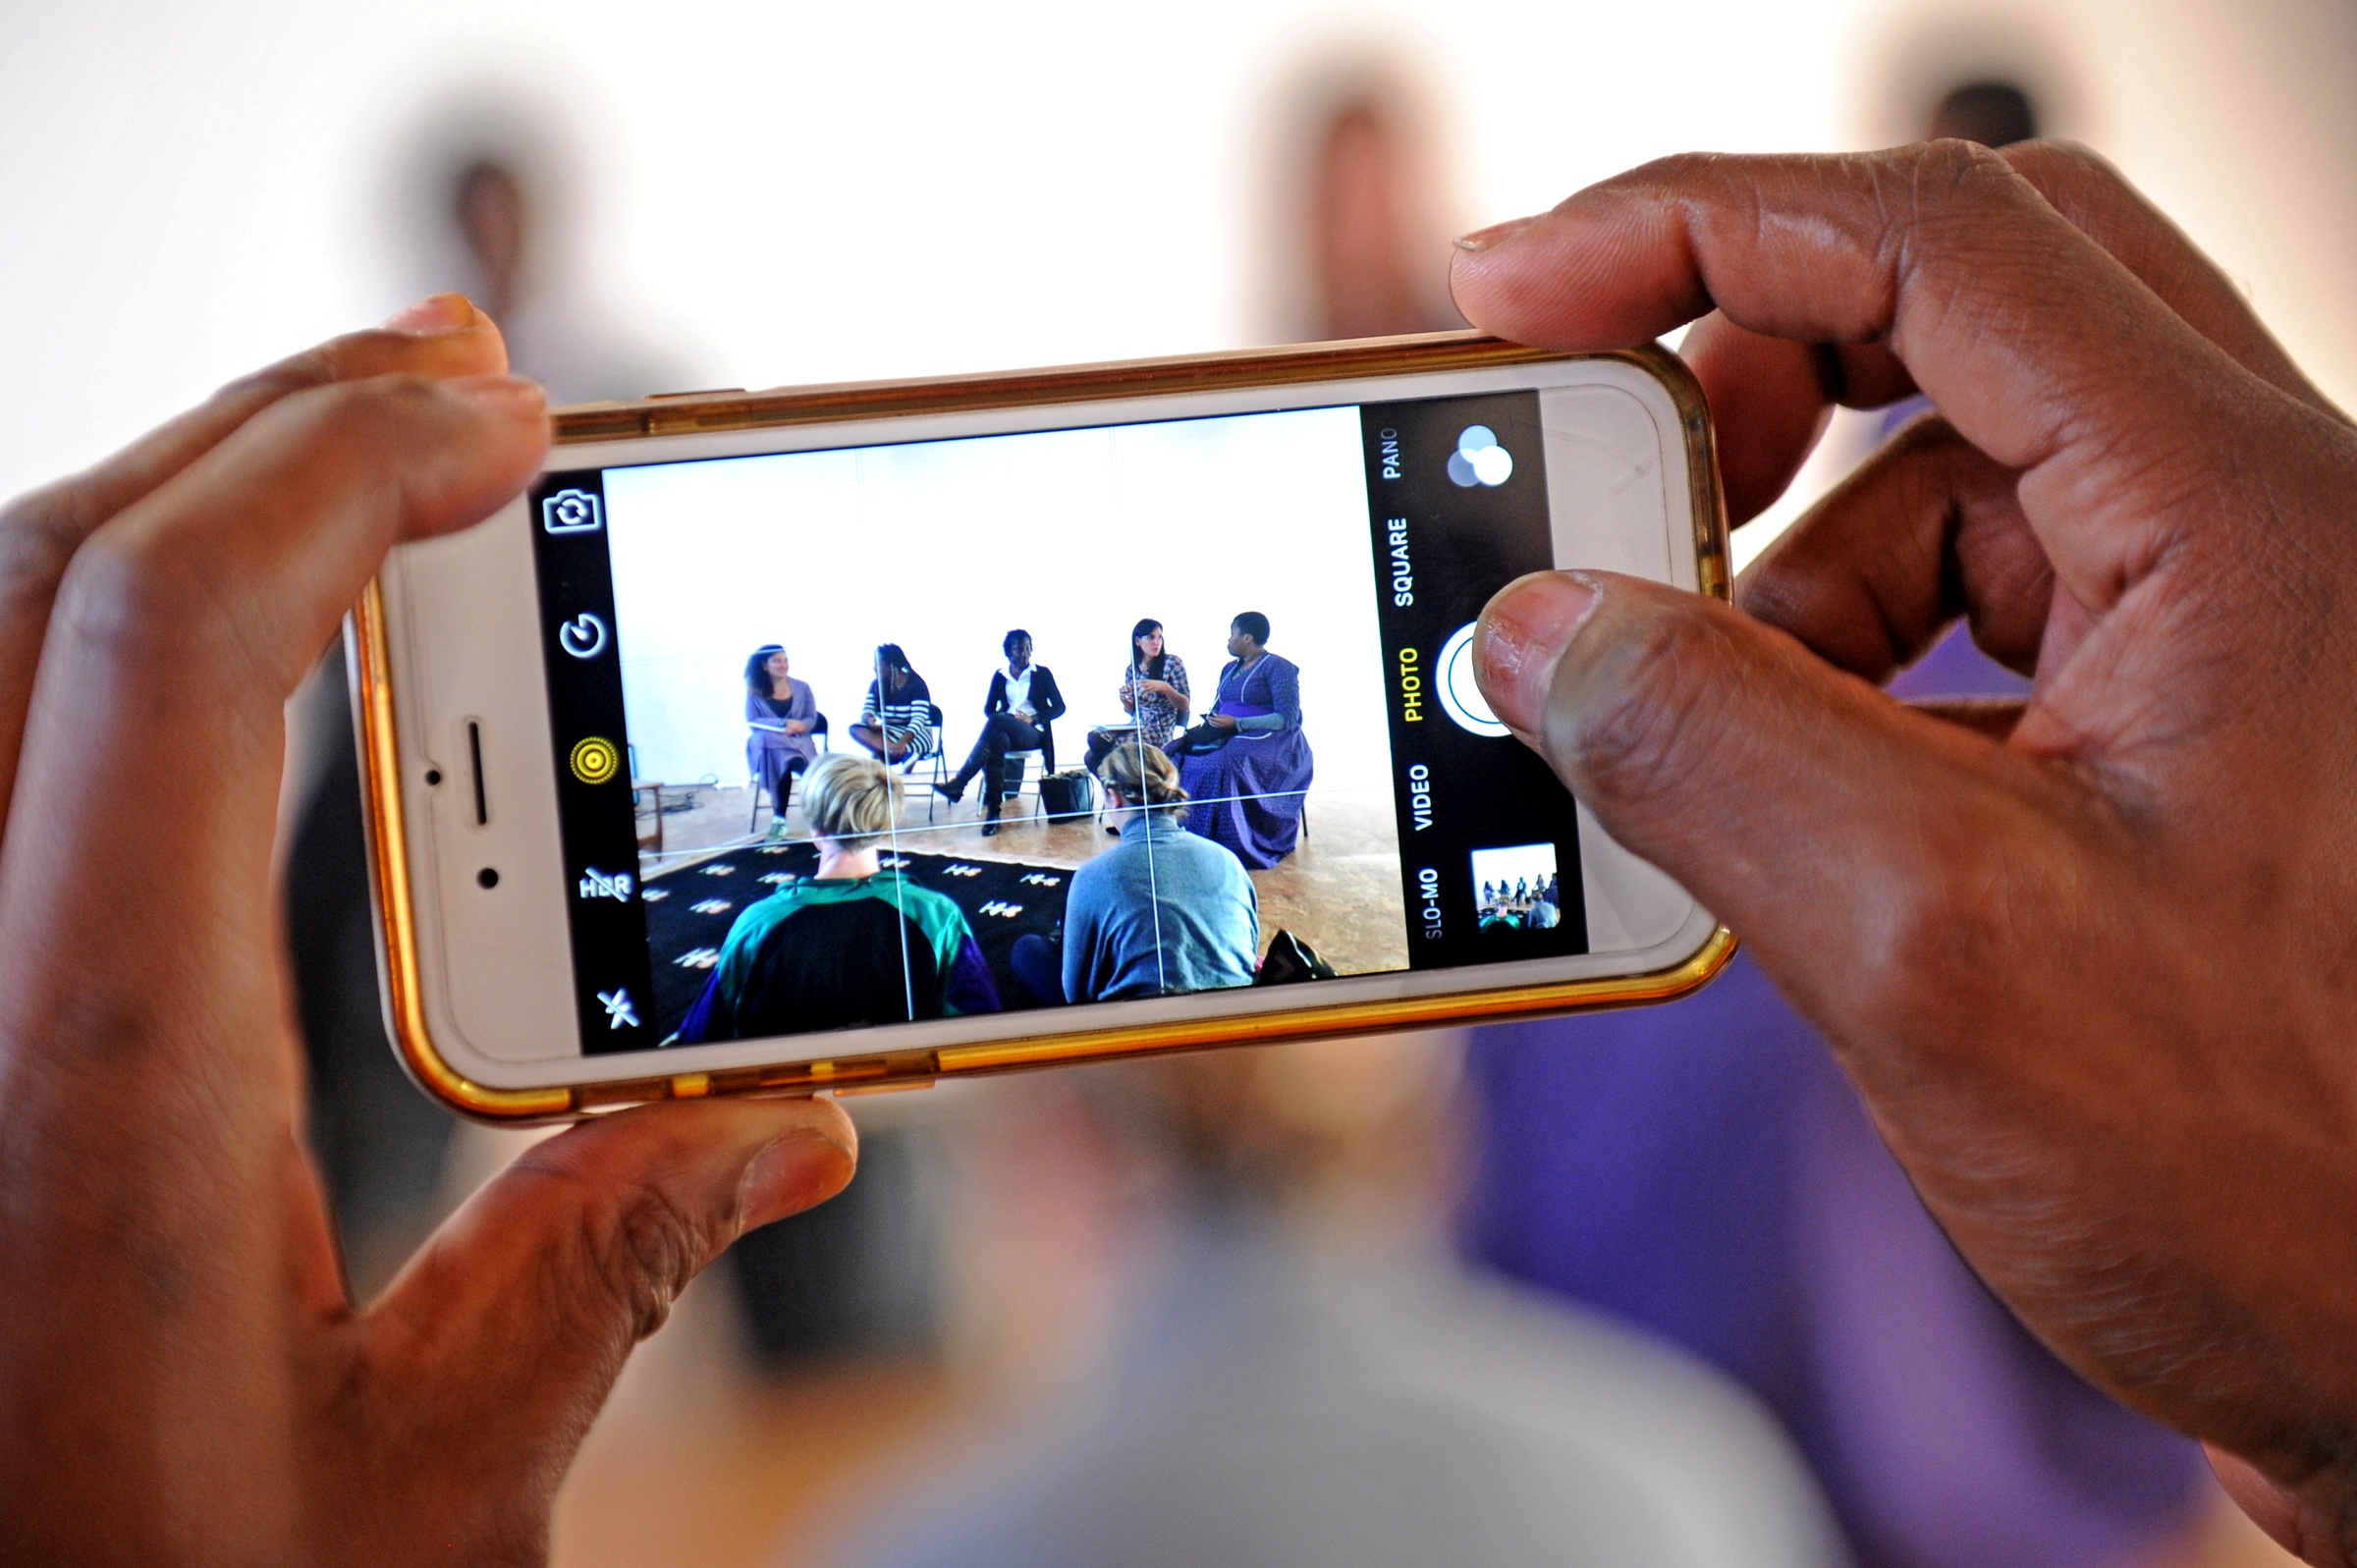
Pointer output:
509, 397
1523, 633
797, 1171
435, 314
1496, 234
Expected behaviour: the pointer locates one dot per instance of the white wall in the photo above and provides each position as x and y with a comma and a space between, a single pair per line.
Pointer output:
944, 546
785, 192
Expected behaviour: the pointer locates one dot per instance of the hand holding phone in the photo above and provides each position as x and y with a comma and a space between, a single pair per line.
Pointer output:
170, 1288
2091, 974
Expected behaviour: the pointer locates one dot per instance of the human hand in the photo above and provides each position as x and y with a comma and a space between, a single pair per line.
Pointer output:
1221, 721
2091, 976
797, 726
182, 1379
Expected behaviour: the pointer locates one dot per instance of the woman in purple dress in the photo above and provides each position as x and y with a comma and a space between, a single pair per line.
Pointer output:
1247, 765
780, 714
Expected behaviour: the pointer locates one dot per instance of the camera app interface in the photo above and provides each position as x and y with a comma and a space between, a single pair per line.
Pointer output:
891, 733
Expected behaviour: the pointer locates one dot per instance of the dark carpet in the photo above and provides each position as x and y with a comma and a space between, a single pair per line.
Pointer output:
688, 911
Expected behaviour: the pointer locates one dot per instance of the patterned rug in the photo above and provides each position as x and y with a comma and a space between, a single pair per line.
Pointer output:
688, 911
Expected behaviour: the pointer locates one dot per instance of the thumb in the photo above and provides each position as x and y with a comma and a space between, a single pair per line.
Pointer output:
1825, 822
505, 1333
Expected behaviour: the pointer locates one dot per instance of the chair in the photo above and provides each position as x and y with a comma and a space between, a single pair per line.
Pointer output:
935, 755
817, 729
641, 789
1018, 773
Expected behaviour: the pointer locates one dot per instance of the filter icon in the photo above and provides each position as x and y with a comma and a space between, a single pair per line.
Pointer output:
1478, 459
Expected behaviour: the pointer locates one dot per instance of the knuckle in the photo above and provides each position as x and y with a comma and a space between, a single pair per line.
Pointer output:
130, 595
1915, 927
312, 367
1951, 176
1651, 704
640, 1246
356, 412
2059, 166
38, 535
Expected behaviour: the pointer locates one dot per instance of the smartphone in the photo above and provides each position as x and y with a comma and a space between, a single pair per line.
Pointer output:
577, 721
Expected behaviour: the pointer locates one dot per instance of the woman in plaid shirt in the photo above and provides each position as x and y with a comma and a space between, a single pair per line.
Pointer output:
1153, 692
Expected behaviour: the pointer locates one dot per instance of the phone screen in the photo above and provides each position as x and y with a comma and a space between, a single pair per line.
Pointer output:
1280, 605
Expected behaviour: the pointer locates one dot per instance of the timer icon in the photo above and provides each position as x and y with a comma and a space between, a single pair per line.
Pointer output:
584, 636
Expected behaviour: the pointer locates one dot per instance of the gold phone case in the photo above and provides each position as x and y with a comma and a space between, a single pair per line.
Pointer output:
854, 1072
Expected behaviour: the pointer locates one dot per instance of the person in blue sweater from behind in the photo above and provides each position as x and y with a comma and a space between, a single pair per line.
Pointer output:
1162, 911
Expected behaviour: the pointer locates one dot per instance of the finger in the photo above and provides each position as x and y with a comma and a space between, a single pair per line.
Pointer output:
1770, 397
134, 879
1770, 400
1925, 530
501, 1337
2260, 1500
1812, 813
441, 337
1993, 717
2010, 318
2100, 203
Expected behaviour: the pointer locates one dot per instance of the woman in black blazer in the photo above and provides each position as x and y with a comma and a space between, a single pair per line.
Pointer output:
1017, 716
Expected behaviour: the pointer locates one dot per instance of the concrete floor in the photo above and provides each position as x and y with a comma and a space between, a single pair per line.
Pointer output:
1338, 891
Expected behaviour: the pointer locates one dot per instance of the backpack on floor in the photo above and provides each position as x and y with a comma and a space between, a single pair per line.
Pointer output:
1290, 959
1068, 794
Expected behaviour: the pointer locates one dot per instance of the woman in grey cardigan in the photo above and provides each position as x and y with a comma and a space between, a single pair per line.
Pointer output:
780, 714
1162, 911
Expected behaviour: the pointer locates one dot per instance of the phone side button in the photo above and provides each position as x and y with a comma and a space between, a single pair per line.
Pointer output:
691, 1086
883, 1088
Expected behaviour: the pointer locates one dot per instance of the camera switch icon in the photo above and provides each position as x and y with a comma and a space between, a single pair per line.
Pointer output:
572, 512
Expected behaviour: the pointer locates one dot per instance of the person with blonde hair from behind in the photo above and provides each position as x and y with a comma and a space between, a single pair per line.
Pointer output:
1162, 911
852, 945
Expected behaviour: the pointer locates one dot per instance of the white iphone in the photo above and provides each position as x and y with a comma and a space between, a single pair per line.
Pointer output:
855, 737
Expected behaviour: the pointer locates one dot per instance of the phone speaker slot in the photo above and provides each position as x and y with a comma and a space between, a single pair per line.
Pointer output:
475, 754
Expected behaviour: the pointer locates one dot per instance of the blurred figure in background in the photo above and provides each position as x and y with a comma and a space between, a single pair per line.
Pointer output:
1304, 1377
493, 209
1705, 1171
493, 204
1359, 223
1994, 114
487, 192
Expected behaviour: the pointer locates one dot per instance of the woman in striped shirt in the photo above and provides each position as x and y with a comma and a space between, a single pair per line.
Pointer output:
895, 720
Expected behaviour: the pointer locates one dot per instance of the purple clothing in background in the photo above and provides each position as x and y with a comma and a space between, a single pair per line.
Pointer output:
1704, 1169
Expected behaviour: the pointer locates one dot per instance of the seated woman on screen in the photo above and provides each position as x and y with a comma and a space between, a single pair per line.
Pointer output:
1153, 692
1017, 713
852, 945
895, 718
780, 714
1162, 911
1247, 765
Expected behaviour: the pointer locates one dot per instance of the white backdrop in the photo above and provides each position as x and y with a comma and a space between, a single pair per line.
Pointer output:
784, 191
945, 546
